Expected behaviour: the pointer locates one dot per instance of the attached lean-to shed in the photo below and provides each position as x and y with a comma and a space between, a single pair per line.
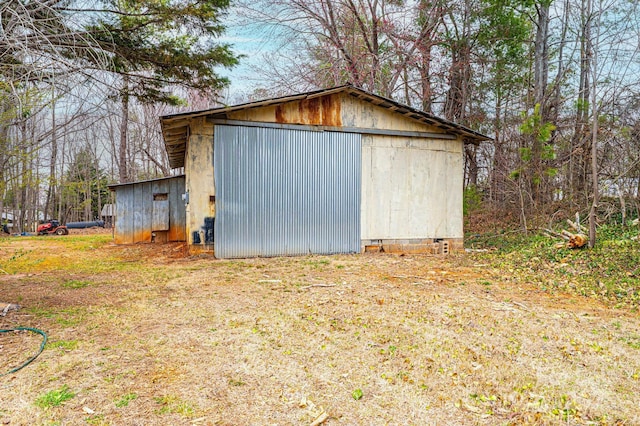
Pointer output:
150, 211
339, 170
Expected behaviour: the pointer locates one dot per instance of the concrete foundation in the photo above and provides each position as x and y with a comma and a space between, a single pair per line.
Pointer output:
414, 245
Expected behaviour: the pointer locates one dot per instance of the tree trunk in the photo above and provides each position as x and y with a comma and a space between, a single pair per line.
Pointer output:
556, 100
580, 152
593, 212
456, 99
122, 157
4, 133
459, 76
52, 166
471, 169
498, 163
59, 213
541, 58
540, 77
430, 15
425, 80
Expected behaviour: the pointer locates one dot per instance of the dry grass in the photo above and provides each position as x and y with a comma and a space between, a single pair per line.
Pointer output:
141, 335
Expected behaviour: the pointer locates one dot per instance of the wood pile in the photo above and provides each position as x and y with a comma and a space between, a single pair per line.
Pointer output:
573, 240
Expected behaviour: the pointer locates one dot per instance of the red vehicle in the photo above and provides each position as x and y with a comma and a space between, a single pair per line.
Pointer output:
52, 227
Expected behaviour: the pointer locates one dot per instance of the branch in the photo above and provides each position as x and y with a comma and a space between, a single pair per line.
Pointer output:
317, 285
161, 166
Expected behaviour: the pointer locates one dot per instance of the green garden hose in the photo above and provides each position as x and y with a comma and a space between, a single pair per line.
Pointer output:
44, 342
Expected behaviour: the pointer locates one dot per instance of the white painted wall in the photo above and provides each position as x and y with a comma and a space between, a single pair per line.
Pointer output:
199, 176
411, 188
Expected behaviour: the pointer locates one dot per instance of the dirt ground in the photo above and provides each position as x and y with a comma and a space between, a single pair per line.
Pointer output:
144, 335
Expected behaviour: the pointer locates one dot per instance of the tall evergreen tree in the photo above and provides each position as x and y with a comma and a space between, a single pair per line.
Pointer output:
155, 43
138, 48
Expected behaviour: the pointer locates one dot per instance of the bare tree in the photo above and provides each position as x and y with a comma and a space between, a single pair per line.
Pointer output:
377, 45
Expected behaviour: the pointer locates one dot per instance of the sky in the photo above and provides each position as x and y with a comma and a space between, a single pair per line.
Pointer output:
254, 42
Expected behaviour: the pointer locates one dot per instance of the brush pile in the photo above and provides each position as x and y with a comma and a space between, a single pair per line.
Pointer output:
570, 239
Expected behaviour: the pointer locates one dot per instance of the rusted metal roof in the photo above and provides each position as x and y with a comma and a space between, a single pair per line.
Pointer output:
175, 127
113, 187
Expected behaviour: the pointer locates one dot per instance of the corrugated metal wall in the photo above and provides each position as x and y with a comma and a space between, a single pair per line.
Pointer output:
286, 192
136, 210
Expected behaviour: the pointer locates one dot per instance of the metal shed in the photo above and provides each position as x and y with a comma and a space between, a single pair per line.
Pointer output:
337, 170
150, 211
107, 214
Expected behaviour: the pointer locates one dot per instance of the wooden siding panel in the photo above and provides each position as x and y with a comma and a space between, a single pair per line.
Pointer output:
160, 215
320, 111
177, 212
356, 113
123, 225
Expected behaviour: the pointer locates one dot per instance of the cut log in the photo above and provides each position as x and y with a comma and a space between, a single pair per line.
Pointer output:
577, 241
571, 240
567, 234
